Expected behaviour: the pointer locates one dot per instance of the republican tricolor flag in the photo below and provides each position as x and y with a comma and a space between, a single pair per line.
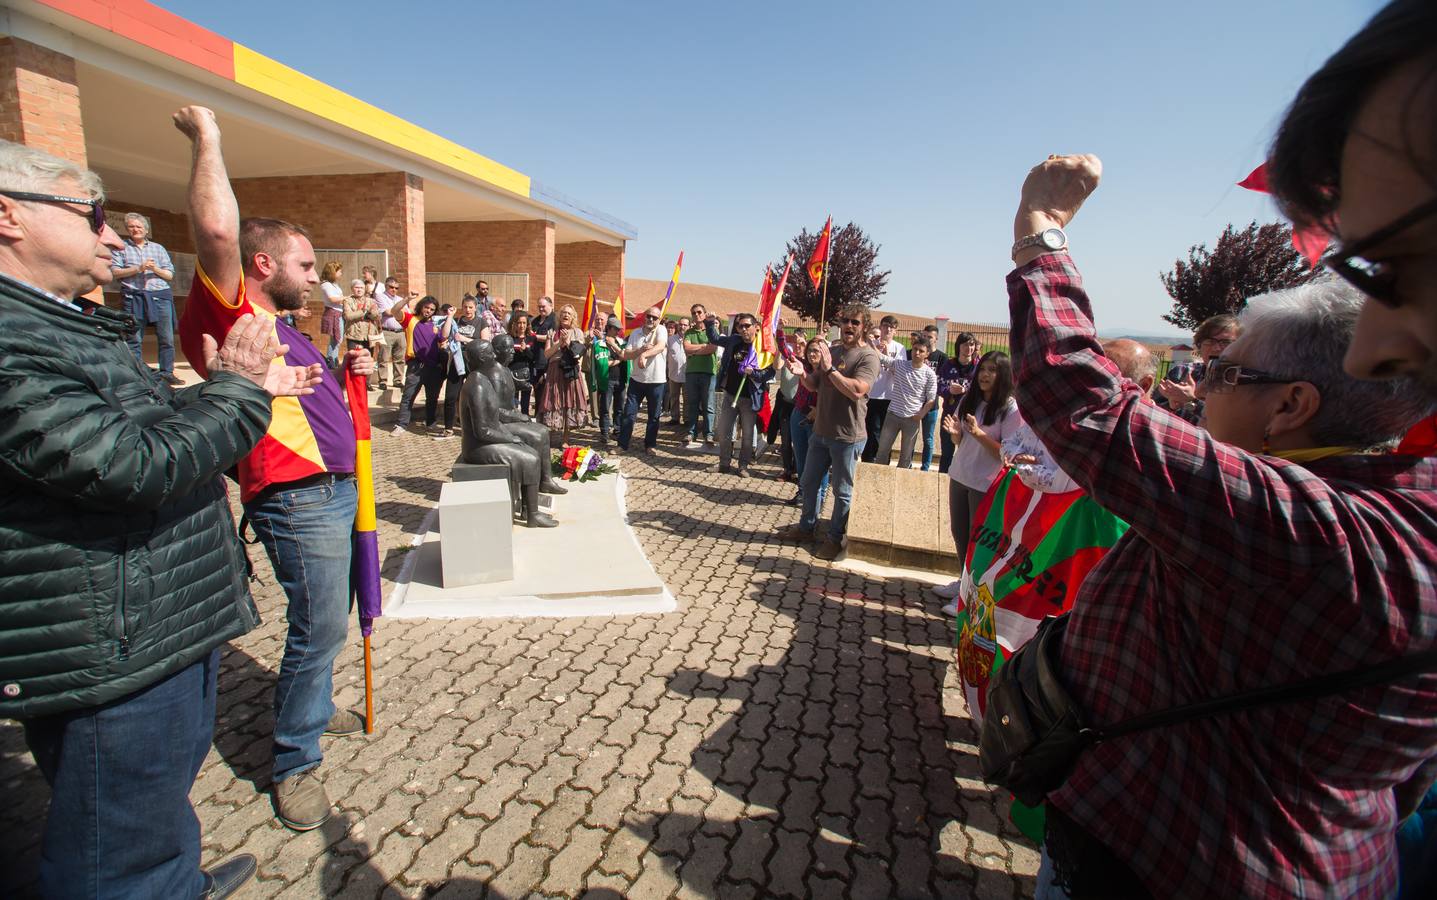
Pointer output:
588, 316
366, 590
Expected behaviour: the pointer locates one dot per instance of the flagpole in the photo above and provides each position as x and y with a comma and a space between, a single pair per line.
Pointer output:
368, 689
827, 257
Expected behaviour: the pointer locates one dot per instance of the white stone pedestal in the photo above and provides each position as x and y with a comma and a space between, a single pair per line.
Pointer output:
476, 533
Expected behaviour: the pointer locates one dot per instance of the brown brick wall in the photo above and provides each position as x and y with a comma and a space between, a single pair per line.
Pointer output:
525, 246
575, 263
40, 100
382, 211
170, 230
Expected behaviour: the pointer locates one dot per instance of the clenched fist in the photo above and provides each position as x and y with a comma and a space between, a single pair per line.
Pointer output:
196, 122
1054, 190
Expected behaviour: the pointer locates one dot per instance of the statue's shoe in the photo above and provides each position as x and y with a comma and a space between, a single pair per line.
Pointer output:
541, 520
552, 487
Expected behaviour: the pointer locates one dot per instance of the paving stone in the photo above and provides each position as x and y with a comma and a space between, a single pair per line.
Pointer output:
786, 731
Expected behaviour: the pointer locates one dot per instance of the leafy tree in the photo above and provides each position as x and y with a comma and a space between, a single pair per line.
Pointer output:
853, 275
1243, 264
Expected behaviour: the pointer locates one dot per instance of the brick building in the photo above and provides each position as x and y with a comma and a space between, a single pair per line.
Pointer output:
97, 82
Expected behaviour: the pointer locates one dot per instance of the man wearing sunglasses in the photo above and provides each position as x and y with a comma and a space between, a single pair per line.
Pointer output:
646, 349
1356, 156
1285, 543
841, 380
123, 573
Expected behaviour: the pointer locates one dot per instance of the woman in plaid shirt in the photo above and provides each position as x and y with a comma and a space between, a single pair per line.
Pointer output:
1281, 543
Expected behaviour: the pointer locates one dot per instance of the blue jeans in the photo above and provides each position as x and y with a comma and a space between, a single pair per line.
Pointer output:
801, 431
642, 392
306, 532
838, 459
611, 398
928, 428
161, 304
120, 822
699, 400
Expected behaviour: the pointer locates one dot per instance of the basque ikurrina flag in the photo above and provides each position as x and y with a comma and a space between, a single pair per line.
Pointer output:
365, 589
1027, 555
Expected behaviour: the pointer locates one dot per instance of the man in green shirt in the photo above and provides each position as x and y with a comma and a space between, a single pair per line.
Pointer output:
700, 343
609, 379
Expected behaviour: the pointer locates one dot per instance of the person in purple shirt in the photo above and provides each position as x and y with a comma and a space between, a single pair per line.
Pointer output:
427, 363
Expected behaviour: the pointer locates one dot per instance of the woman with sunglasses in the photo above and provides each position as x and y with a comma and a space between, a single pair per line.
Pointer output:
1281, 544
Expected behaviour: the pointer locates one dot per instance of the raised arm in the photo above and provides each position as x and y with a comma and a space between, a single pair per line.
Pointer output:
214, 214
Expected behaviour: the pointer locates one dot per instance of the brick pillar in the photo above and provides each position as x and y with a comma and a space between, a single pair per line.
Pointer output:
526, 246
381, 211
575, 263
40, 100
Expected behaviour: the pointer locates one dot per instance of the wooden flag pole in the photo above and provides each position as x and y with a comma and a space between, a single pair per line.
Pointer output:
368, 689
823, 306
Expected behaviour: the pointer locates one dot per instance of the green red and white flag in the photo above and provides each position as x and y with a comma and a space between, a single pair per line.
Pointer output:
1027, 556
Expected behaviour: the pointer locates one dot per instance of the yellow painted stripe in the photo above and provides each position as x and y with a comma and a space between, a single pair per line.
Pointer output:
274, 79
364, 481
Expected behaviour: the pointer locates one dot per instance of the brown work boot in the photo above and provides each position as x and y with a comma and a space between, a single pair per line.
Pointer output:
795, 533
300, 801
828, 550
344, 722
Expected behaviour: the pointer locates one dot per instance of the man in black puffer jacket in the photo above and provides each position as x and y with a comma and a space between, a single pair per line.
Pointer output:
120, 570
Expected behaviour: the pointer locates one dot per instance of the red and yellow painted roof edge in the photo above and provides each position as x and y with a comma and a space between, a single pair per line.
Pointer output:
164, 32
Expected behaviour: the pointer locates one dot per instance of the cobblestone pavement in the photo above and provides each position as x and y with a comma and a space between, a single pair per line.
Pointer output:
792, 730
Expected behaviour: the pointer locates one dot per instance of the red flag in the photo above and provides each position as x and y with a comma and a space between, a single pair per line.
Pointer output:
818, 260
1311, 242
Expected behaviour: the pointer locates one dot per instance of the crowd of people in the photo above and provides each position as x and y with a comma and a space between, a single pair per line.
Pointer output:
1264, 533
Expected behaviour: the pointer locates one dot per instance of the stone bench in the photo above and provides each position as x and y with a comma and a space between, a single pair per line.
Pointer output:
899, 517
476, 531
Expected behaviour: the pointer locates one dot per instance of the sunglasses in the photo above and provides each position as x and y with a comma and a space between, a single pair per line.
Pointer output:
1225, 377
97, 207
851, 321
651, 318
1377, 280
744, 325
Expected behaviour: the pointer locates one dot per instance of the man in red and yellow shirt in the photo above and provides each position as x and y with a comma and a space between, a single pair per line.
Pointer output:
297, 485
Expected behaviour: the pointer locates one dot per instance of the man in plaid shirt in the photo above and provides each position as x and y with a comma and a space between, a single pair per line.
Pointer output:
1242, 569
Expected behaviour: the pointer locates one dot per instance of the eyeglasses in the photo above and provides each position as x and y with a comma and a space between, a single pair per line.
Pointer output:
1219, 343
1224, 377
97, 207
851, 321
1377, 280
743, 325
651, 318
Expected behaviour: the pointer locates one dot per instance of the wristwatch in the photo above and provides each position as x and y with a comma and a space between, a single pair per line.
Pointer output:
1049, 239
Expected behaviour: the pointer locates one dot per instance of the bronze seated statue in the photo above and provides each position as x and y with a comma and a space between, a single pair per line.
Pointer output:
535, 434
489, 440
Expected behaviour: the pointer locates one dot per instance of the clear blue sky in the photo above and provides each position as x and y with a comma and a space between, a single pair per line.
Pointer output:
724, 128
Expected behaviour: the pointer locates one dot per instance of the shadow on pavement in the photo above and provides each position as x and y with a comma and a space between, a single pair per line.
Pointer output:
838, 757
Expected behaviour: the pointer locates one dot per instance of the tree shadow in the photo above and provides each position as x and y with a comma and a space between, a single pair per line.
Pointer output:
837, 761
426, 487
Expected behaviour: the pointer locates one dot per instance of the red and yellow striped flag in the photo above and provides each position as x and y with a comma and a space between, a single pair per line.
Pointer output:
588, 316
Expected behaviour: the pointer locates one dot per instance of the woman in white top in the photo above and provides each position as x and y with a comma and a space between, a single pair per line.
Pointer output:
983, 420
333, 322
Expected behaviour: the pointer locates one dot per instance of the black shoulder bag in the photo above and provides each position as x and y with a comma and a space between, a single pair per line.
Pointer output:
1033, 730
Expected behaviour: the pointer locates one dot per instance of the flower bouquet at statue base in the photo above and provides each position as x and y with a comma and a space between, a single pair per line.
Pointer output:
580, 464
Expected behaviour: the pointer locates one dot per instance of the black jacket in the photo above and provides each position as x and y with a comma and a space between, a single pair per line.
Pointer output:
119, 563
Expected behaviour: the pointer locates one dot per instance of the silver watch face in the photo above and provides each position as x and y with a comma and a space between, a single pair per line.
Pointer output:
1053, 238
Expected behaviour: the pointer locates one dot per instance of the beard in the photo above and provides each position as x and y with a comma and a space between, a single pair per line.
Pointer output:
286, 293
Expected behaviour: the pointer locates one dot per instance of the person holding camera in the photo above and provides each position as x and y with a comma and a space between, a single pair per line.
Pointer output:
566, 396
1178, 388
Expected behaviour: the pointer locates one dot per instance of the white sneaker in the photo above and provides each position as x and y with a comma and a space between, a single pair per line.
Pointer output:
950, 609
950, 590
398, 429
693, 445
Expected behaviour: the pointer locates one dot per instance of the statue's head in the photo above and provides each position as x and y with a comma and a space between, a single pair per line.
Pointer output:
483, 352
478, 353
503, 348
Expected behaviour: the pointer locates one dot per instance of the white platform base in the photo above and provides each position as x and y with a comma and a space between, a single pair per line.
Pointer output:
591, 565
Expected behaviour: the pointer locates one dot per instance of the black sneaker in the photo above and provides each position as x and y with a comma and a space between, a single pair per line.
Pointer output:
227, 877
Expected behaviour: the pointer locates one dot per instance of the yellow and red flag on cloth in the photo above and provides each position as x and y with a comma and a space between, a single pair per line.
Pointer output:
770, 308
588, 316
818, 260
626, 324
